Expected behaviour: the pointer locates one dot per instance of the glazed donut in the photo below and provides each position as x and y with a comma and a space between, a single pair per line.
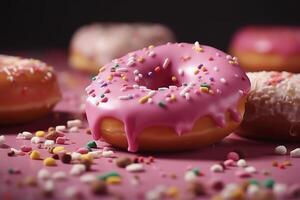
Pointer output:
273, 48
273, 106
167, 98
97, 44
28, 89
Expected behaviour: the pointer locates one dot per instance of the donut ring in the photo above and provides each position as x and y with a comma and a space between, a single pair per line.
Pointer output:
28, 89
273, 107
97, 44
167, 98
269, 48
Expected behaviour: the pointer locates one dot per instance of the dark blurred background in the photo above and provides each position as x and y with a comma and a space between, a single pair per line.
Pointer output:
44, 24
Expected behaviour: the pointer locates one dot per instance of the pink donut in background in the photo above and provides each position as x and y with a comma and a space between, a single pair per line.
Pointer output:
268, 48
97, 44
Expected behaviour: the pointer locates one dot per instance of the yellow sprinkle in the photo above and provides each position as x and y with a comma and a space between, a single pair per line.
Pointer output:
196, 71
204, 89
112, 180
35, 155
199, 49
102, 69
58, 149
172, 192
87, 157
237, 194
143, 100
173, 97
49, 161
151, 47
40, 133
110, 77
124, 78
140, 59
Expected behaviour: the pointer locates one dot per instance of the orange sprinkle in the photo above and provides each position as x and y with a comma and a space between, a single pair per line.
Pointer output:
174, 79
110, 77
102, 69
204, 89
141, 59
196, 71
275, 163
151, 47
143, 100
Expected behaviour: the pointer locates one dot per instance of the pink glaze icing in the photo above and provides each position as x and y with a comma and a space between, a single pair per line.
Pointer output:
140, 89
268, 39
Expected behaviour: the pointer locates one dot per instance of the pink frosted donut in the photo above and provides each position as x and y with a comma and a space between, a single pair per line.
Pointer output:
268, 48
97, 44
167, 98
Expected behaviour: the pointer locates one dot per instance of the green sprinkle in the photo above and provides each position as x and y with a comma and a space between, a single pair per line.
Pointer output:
94, 78
253, 182
205, 85
162, 104
117, 65
91, 144
269, 183
107, 175
196, 171
102, 96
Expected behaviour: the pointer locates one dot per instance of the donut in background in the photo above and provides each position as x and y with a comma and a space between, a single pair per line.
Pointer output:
29, 89
273, 107
269, 48
97, 44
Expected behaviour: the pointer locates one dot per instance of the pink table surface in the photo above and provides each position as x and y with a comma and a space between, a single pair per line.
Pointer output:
257, 153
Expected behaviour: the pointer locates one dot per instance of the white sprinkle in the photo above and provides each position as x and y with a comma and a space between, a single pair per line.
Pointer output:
73, 193
223, 80
77, 169
197, 44
250, 169
228, 57
48, 186
216, 69
151, 54
135, 167
107, 154
136, 72
241, 163
187, 96
295, 153
136, 79
252, 190
87, 178
74, 129
151, 93
216, 168
49, 143
59, 175
280, 190
180, 72
74, 123
16, 151
150, 100
2, 140
166, 63
280, 150
122, 69
60, 128
125, 97
190, 176
130, 63
186, 89
25, 135
75, 156
36, 140
140, 75
43, 174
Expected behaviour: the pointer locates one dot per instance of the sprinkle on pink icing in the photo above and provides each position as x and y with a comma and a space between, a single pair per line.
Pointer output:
268, 39
147, 94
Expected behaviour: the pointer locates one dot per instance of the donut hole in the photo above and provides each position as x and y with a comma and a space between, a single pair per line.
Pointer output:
159, 79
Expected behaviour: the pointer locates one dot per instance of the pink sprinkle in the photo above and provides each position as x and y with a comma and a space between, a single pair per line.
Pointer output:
233, 156
82, 150
25, 148
166, 63
229, 163
60, 140
242, 174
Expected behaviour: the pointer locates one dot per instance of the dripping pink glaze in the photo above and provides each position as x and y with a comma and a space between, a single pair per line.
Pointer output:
180, 114
268, 39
